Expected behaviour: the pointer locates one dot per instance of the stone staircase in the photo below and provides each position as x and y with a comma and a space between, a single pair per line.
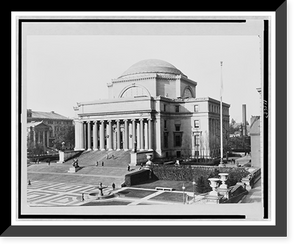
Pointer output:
107, 158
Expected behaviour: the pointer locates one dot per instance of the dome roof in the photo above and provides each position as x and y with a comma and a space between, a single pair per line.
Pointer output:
151, 66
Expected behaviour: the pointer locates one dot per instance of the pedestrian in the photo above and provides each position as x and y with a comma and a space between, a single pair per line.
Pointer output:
96, 163
102, 163
128, 168
82, 197
113, 186
49, 161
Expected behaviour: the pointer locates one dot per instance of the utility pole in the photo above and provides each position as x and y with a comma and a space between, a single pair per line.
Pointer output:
221, 120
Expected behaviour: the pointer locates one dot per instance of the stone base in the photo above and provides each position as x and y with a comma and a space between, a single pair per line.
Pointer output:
224, 192
72, 170
212, 199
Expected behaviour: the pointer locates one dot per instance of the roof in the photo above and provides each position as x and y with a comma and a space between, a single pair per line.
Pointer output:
151, 66
36, 124
47, 115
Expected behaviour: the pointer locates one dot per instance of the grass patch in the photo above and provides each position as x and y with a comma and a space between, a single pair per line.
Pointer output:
107, 203
135, 193
177, 185
172, 197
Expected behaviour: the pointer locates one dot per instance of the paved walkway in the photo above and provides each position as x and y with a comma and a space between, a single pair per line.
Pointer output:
46, 193
254, 194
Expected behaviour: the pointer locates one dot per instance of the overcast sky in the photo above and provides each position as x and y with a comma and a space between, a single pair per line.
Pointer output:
64, 69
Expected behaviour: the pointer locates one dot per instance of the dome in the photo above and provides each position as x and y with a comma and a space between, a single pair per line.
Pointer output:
151, 66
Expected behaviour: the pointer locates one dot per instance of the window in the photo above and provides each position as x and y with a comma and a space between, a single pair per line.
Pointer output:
178, 154
166, 140
177, 108
165, 107
196, 108
165, 124
177, 140
196, 123
197, 140
177, 127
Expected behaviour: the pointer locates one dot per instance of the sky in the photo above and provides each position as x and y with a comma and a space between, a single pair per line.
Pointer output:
63, 69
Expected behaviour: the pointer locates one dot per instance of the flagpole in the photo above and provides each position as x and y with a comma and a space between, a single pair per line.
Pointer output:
221, 120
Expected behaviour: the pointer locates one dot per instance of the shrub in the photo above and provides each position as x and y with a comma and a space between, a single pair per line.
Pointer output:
200, 174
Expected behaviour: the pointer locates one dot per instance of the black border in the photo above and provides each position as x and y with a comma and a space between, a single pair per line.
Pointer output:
265, 99
280, 229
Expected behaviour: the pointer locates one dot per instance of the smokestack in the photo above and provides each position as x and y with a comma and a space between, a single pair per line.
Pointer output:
244, 120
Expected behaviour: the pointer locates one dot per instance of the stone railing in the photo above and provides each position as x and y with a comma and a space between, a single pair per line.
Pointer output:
251, 178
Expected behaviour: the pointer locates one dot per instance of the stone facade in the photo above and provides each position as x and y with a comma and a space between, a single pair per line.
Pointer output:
151, 106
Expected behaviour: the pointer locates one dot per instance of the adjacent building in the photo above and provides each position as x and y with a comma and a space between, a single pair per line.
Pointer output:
42, 127
152, 106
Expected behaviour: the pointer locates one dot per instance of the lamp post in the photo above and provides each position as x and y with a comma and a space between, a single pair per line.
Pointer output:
194, 184
183, 188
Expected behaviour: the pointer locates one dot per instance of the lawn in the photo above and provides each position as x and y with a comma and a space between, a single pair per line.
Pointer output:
135, 193
171, 196
177, 185
107, 203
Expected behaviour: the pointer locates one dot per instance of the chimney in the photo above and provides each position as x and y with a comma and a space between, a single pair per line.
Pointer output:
244, 120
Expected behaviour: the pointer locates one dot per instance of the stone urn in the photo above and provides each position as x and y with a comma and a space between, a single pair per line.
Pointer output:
149, 162
223, 178
214, 184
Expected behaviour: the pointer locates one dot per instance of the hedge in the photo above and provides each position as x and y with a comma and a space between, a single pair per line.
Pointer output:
199, 174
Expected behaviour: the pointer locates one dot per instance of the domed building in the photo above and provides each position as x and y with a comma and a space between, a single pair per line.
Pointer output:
151, 108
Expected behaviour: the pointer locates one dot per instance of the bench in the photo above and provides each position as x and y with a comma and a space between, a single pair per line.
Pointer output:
164, 188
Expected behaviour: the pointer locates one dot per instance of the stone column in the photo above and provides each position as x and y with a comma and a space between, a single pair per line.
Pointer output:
38, 137
34, 138
133, 133
80, 138
84, 125
138, 136
150, 133
109, 139
95, 136
102, 136
88, 135
141, 134
118, 135
125, 145
47, 141
146, 136
44, 140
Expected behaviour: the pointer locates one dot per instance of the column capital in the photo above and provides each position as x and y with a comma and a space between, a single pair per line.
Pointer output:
141, 119
149, 119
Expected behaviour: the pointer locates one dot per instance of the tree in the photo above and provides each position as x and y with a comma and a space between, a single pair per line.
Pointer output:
64, 134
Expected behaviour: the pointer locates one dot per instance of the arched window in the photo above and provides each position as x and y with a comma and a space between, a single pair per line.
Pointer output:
187, 93
134, 91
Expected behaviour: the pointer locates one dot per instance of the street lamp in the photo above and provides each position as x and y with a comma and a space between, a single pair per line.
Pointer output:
194, 184
183, 188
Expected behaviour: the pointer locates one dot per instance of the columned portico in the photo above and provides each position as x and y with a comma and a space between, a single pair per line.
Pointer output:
127, 133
